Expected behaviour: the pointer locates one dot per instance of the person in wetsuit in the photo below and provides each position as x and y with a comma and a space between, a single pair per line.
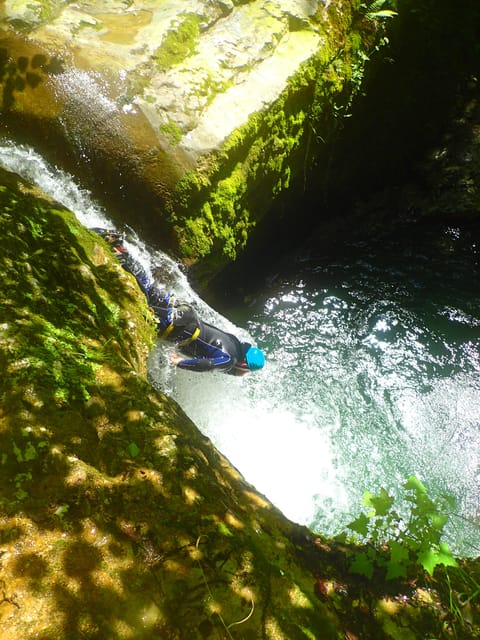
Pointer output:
207, 347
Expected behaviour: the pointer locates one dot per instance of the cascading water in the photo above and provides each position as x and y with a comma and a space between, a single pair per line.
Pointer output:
372, 371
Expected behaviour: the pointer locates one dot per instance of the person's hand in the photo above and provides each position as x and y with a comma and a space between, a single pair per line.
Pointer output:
175, 358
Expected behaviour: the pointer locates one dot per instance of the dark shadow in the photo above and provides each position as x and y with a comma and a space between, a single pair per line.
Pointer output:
18, 74
35, 568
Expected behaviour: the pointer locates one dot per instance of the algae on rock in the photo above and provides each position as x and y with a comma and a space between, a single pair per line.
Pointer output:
196, 116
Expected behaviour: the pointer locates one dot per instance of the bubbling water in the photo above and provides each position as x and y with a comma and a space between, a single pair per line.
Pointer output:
386, 353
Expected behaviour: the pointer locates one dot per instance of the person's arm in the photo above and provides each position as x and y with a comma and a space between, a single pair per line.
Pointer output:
216, 359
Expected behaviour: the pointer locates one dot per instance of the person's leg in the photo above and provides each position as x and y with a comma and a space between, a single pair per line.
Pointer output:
177, 322
163, 304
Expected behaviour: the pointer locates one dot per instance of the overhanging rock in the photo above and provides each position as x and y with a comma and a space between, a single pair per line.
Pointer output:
193, 116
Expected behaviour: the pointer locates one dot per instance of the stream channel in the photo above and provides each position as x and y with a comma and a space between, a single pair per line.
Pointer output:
372, 369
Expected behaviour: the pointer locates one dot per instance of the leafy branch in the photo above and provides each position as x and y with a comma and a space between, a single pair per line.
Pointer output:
398, 546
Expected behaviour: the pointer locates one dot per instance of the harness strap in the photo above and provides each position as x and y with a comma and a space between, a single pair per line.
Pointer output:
189, 340
168, 330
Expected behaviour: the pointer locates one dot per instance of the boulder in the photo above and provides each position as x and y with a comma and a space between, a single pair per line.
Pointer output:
190, 118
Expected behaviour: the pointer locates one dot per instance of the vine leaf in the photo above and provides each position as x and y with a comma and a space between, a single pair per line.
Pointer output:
360, 525
362, 565
381, 503
399, 557
397, 545
431, 557
438, 520
414, 484
445, 556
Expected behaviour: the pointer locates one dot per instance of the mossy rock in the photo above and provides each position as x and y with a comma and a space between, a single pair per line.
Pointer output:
118, 518
208, 112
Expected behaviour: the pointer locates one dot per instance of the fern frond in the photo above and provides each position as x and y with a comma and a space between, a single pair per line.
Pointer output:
386, 13
377, 9
375, 6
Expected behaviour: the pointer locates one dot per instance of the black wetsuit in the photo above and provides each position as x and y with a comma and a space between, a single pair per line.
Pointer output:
207, 346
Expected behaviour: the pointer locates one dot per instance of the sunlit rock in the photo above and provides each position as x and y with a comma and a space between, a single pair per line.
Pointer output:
207, 110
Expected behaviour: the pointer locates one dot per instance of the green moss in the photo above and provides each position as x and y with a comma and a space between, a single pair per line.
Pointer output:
172, 131
39, 11
49, 9
231, 193
224, 219
54, 314
221, 219
210, 86
180, 43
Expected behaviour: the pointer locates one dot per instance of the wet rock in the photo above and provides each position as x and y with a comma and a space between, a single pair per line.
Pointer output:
190, 117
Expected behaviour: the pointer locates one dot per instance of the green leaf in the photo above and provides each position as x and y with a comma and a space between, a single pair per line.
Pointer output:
362, 565
447, 561
381, 503
396, 570
367, 498
445, 556
438, 520
428, 560
397, 565
398, 552
360, 525
133, 450
414, 484
386, 13
224, 530
375, 5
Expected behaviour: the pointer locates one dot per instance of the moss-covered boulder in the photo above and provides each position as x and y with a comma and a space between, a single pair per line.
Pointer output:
191, 117
118, 519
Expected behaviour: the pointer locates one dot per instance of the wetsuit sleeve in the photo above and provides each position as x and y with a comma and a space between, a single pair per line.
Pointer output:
214, 358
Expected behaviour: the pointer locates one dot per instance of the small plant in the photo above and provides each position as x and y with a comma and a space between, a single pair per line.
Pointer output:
172, 131
179, 43
397, 545
379, 9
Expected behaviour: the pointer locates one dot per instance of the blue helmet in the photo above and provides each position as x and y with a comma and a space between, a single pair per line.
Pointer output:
254, 357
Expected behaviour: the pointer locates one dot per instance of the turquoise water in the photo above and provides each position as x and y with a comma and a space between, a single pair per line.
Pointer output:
381, 344
372, 370
372, 375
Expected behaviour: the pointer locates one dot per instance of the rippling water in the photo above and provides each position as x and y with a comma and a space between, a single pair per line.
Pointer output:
372, 370
381, 346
